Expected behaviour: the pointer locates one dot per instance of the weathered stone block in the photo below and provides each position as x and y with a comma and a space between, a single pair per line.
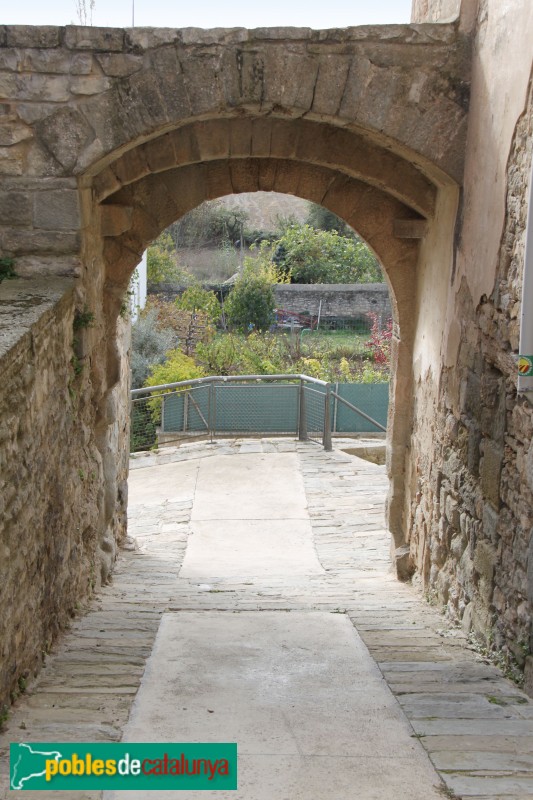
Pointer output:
529, 466
490, 522
219, 180
490, 471
410, 228
139, 39
240, 138
121, 65
105, 183
244, 175
22, 241
530, 567
12, 133
15, 208
79, 37
330, 83
11, 161
528, 676
57, 210
116, 219
32, 36
289, 80
473, 448
65, 133
160, 154
89, 84
403, 563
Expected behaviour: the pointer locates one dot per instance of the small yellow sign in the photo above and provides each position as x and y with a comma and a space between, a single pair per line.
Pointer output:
525, 366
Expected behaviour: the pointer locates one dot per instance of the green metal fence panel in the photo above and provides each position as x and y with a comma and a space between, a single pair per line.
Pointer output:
256, 408
314, 407
186, 411
271, 408
172, 418
372, 398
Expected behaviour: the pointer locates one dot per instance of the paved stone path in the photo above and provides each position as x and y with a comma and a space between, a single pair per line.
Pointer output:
476, 726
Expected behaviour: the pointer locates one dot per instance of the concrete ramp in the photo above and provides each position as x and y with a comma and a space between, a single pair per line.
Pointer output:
250, 518
298, 692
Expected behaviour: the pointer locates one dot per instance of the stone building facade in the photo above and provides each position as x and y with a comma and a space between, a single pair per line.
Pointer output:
470, 513
418, 136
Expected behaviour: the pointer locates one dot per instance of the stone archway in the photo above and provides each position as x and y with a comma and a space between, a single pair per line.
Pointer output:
387, 199
111, 134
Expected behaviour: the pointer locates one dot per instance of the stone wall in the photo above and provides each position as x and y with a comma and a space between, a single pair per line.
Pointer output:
334, 300
338, 300
470, 471
52, 476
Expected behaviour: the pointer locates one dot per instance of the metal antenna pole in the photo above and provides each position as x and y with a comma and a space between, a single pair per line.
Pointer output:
132, 13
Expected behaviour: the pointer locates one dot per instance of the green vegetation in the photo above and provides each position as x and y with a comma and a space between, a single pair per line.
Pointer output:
150, 344
342, 358
306, 255
196, 299
147, 416
82, 319
250, 304
345, 356
323, 250
176, 367
7, 269
161, 262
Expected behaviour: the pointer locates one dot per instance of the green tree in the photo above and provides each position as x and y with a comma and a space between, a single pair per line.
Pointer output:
176, 367
161, 261
319, 217
209, 225
195, 299
149, 345
306, 255
250, 304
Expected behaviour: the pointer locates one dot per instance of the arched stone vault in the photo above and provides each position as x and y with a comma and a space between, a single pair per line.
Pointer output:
374, 190
108, 135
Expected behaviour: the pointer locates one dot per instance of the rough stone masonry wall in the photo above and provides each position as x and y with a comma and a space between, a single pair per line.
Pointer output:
334, 300
471, 522
338, 300
51, 476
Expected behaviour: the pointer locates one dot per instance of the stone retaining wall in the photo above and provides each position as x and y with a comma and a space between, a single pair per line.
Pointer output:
348, 301
53, 552
334, 300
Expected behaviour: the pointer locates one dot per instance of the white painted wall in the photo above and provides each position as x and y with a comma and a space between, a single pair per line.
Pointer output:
138, 288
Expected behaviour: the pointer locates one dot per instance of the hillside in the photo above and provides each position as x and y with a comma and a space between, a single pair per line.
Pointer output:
264, 208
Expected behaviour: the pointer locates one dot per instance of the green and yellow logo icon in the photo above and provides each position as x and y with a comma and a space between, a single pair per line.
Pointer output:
525, 366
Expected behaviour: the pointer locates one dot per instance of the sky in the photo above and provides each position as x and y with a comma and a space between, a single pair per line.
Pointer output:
212, 13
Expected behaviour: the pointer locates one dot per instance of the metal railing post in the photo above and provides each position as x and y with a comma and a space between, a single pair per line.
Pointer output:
214, 407
185, 412
302, 414
210, 409
327, 420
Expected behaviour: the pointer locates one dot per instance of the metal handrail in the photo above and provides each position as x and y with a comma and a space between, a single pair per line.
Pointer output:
212, 381
226, 379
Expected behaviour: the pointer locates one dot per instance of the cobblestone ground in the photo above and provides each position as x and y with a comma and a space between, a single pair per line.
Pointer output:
476, 726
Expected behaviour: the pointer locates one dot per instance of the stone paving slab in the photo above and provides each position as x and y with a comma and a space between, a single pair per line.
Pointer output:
425, 662
300, 685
